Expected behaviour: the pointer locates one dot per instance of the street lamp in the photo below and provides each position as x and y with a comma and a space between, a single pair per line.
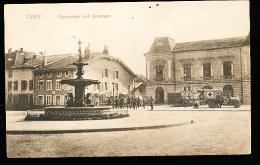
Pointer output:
113, 94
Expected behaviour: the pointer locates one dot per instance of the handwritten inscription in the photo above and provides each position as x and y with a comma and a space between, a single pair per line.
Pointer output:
82, 16
33, 16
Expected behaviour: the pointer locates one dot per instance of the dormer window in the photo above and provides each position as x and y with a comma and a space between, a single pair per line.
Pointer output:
67, 73
59, 74
41, 75
49, 74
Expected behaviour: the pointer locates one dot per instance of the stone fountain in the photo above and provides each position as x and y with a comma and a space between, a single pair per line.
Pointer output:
77, 108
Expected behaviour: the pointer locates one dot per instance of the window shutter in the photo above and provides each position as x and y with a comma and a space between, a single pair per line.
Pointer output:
221, 70
36, 100
201, 70
211, 70
43, 103
61, 99
232, 69
102, 73
54, 99
182, 72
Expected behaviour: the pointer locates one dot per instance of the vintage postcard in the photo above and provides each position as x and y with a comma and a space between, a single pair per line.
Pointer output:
127, 79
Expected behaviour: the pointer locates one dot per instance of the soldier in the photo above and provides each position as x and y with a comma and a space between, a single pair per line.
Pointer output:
144, 102
151, 103
184, 101
128, 102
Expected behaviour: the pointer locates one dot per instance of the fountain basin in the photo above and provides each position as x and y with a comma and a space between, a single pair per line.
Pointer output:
80, 113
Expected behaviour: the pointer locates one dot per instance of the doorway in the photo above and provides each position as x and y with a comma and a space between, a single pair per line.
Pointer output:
228, 90
159, 94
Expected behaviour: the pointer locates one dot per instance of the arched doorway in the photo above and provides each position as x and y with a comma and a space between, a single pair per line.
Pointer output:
228, 90
159, 94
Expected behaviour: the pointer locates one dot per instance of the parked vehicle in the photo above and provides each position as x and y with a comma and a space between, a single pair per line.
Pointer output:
212, 97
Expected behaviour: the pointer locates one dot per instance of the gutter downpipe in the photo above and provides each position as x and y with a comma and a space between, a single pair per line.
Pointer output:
241, 76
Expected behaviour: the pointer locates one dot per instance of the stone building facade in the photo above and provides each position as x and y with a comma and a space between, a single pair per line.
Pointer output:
109, 70
220, 63
19, 77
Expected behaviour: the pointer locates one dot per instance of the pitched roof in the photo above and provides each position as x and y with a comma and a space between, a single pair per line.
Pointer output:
247, 41
101, 55
162, 45
38, 60
11, 57
209, 44
64, 63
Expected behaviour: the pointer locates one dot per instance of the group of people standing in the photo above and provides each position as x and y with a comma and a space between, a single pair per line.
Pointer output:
130, 102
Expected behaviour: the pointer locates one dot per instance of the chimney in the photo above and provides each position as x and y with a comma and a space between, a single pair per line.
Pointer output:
19, 59
86, 52
9, 50
45, 58
21, 50
105, 51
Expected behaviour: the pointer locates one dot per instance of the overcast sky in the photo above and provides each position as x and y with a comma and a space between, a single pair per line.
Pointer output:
128, 31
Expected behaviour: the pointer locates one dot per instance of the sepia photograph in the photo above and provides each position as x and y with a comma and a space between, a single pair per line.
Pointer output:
127, 79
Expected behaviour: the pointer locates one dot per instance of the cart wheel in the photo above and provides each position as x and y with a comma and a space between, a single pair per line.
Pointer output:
211, 104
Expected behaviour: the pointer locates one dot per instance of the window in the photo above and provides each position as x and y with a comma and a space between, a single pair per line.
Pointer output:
49, 74
58, 100
67, 73
105, 85
59, 74
48, 99
10, 85
10, 74
31, 85
187, 72
24, 85
58, 85
15, 85
41, 87
41, 75
40, 100
49, 85
95, 87
116, 74
206, 69
227, 69
98, 86
105, 73
116, 87
159, 73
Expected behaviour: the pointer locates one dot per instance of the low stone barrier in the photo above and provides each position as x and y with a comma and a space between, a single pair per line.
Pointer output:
77, 113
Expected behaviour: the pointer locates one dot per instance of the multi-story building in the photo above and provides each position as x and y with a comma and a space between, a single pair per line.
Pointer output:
113, 73
19, 76
219, 63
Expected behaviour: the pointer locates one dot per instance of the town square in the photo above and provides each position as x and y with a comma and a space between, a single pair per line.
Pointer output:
138, 82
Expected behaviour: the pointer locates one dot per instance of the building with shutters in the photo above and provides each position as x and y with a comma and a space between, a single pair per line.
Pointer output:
19, 76
219, 63
112, 72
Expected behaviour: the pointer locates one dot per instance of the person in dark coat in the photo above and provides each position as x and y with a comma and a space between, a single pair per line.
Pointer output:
184, 100
144, 102
109, 101
138, 102
128, 101
116, 103
151, 103
121, 102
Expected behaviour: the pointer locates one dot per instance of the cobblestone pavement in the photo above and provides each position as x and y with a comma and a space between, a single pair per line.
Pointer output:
213, 132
